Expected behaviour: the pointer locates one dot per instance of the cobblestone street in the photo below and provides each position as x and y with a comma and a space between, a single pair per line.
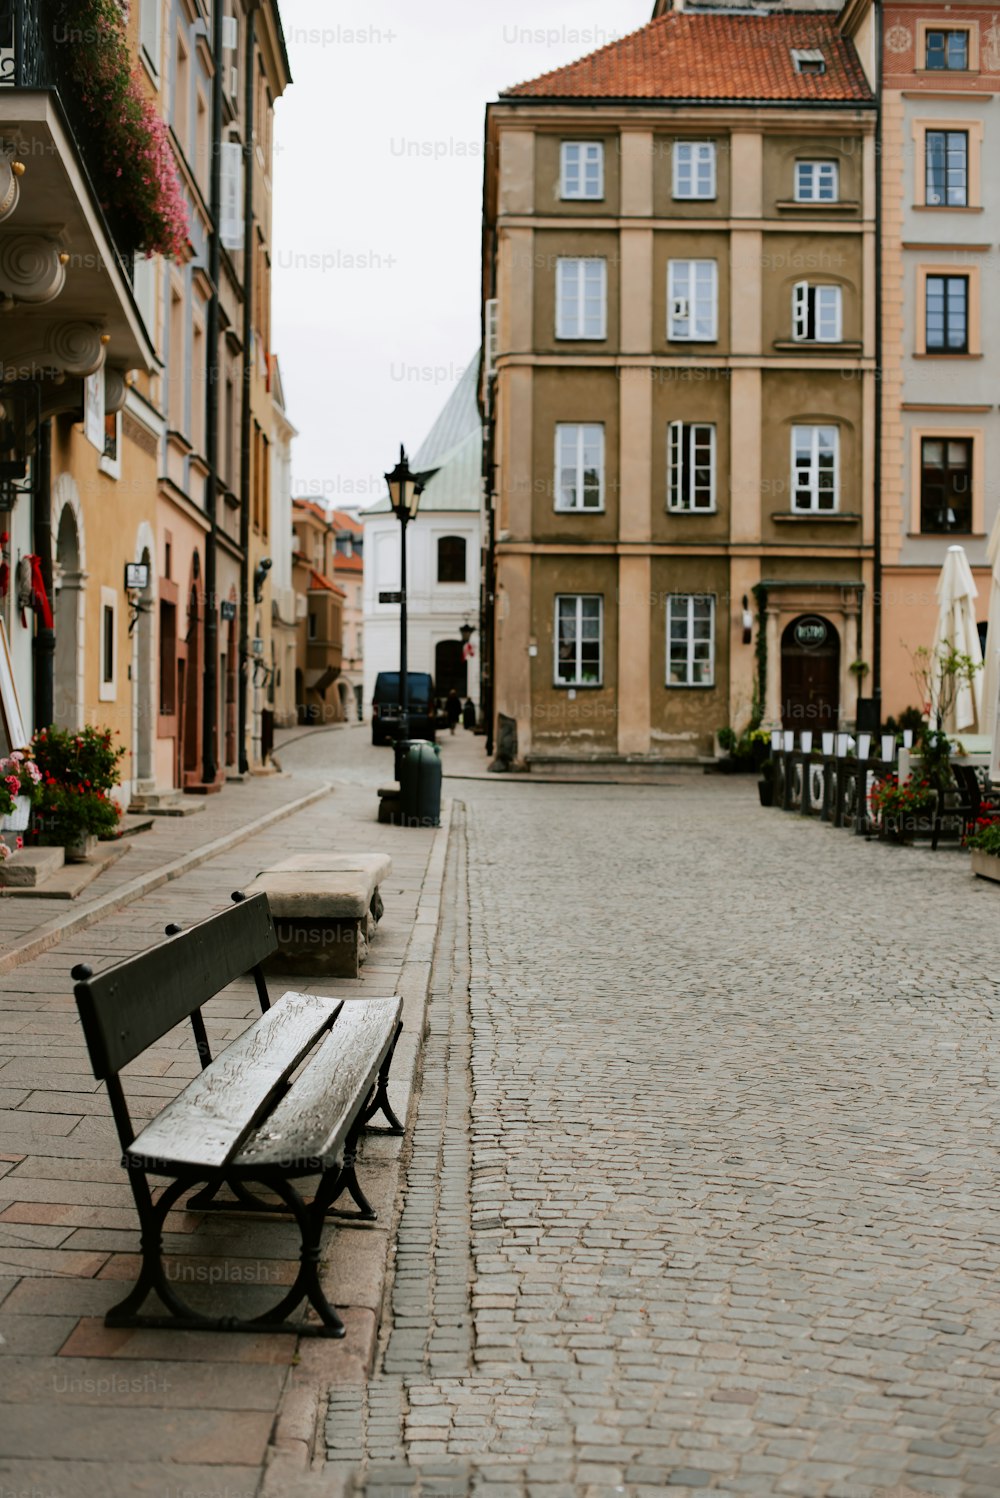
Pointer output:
720, 1086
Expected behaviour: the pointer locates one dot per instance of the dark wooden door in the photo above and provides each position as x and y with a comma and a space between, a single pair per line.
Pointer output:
810, 675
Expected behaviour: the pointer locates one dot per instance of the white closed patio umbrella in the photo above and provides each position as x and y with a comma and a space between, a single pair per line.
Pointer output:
957, 630
991, 668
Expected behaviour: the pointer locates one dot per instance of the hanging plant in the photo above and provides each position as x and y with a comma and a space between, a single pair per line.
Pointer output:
128, 145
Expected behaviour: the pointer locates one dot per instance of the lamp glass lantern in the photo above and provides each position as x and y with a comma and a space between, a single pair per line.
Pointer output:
405, 489
828, 745
806, 740
888, 747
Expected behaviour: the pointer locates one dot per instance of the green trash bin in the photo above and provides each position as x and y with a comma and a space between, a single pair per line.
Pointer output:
420, 784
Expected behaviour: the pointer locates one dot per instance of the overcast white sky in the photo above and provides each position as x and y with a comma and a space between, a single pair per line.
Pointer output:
378, 197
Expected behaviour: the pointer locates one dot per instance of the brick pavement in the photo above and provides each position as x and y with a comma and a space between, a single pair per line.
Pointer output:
92, 1411
710, 1108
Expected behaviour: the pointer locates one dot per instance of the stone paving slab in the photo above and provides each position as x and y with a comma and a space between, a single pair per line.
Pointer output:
206, 1412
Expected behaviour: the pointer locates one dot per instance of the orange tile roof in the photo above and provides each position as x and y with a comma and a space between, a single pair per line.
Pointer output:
313, 508
345, 522
318, 581
685, 55
348, 564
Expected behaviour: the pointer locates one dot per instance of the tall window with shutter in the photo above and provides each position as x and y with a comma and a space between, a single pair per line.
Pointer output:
232, 225
816, 312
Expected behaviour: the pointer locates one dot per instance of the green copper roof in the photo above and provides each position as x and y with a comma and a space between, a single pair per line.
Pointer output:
454, 446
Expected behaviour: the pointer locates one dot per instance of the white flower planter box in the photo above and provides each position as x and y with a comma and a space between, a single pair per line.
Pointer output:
19, 818
986, 865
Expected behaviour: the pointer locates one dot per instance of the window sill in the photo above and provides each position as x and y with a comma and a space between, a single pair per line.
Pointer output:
676, 338
689, 686
111, 466
793, 205
946, 72
818, 345
580, 198
810, 517
938, 535
713, 199
711, 510
577, 686
581, 338
946, 208
943, 355
579, 510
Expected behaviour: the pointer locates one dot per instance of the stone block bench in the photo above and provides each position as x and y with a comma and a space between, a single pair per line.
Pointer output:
326, 907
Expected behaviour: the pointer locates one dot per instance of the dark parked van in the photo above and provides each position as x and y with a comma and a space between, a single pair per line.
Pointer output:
385, 706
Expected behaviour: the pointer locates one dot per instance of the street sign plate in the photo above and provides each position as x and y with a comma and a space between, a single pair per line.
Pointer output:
390, 598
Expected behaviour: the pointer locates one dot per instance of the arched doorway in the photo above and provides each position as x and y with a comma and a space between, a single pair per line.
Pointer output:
189, 686
810, 674
450, 669
144, 683
68, 586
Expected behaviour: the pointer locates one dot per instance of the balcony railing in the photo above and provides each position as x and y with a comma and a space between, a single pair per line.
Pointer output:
36, 43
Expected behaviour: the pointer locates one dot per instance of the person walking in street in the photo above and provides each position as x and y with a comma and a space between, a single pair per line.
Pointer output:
468, 714
453, 709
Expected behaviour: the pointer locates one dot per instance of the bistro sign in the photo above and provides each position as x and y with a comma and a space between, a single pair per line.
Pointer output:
811, 633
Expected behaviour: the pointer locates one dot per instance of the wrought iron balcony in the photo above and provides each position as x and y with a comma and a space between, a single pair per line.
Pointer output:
36, 42
64, 280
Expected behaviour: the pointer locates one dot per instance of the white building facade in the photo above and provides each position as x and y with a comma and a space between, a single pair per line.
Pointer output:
443, 559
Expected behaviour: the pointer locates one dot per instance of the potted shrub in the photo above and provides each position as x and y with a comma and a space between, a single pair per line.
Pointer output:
903, 810
985, 848
73, 802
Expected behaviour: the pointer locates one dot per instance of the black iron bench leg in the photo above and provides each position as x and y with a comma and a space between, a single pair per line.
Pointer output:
380, 1100
347, 1180
182, 1317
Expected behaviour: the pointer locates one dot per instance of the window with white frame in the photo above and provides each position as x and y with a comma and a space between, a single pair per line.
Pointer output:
579, 631
582, 169
691, 466
579, 466
816, 313
690, 640
149, 32
694, 169
816, 181
581, 298
815, 469
692, 300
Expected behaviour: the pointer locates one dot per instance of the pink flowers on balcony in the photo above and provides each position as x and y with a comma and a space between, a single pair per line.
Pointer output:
128, 147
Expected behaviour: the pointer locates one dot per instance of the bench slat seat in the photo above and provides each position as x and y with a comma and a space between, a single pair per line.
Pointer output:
208, 1121
312, 1121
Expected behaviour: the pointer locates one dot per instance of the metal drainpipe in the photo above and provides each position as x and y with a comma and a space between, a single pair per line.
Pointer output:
246, 602
44, 643
879, 385
210, 695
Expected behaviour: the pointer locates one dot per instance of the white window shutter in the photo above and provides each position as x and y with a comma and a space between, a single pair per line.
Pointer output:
675, 480
230, 33
800, 309
231, 228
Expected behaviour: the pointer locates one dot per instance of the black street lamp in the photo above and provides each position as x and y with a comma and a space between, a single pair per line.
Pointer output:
405, 489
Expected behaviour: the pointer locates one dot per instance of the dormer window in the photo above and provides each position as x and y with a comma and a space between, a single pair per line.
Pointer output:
808, 60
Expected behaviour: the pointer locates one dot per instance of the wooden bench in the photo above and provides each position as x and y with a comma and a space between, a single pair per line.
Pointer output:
284, 1102
326, 907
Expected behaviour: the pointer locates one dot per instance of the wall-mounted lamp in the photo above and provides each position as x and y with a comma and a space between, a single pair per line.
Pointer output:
747, 621
261, 570
136, 582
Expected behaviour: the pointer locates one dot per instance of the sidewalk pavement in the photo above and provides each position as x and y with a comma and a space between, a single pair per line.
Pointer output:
118, 1413
172, 846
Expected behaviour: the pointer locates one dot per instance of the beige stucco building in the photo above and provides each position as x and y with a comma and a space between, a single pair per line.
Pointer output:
679, 383
940, 222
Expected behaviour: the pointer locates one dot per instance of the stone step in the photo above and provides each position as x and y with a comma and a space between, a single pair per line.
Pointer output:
30, 867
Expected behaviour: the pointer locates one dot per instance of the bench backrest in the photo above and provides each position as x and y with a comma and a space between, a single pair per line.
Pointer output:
130, 1006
